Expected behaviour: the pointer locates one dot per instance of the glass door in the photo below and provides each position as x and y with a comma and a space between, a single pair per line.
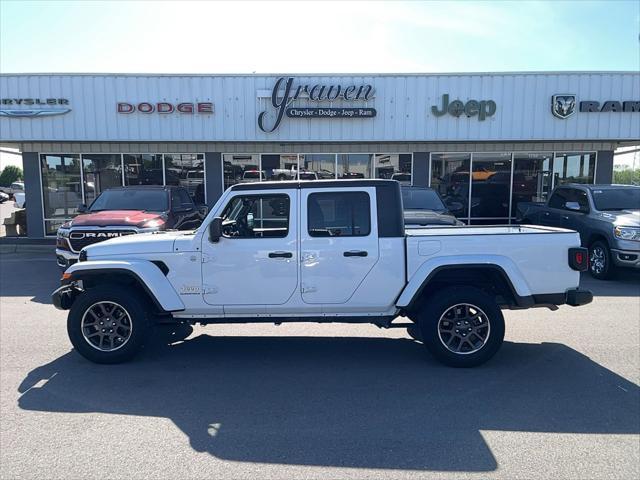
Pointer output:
450, 178
490, 188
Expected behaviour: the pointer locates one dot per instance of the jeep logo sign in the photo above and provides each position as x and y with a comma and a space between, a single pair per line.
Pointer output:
483, 108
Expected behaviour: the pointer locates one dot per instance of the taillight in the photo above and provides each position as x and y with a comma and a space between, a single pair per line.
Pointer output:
579, 259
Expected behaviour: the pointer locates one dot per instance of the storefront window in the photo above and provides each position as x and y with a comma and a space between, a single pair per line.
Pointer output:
100, 172
61, 189
531, 178
450, 178
279, 167
186, 170
573, 168
394, 166
490, 187
143, 169
354, 165
317, 166
235, 166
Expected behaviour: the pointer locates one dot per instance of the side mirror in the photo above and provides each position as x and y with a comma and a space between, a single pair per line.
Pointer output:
573, 206
215, 229
82, 208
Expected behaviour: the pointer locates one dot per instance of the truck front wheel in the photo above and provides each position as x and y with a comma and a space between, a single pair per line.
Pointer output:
461, 326
600, 260
108, 324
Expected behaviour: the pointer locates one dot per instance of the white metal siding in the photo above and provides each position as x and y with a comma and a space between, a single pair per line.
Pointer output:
403, 104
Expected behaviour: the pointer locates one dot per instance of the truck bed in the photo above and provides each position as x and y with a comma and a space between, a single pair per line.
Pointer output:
515, 249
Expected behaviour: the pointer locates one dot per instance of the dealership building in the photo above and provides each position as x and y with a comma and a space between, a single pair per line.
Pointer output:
485, 141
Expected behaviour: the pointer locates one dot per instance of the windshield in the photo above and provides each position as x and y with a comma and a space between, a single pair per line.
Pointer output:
622, 199
150, 200
422, 199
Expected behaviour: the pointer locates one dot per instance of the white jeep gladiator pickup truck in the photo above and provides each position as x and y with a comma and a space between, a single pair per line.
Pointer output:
322, 251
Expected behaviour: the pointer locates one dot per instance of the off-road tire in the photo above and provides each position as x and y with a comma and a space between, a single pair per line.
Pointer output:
137, 309
442, 302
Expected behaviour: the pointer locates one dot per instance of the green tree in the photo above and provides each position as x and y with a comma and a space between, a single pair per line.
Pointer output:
627, 176
10, 174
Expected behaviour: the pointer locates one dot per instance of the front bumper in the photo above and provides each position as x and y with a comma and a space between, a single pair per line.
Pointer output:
65, 258
625, 258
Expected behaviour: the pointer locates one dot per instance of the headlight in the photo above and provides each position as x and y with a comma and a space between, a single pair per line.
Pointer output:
63, 233
627, 233
155, 223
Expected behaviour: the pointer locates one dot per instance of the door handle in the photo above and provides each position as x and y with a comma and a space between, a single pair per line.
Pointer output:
280, 254
546, 214
355, 253
564, 217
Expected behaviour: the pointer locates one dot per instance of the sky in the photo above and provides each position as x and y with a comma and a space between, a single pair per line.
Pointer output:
317, 37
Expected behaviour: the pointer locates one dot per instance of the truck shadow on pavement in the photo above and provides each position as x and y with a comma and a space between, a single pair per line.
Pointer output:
343, 402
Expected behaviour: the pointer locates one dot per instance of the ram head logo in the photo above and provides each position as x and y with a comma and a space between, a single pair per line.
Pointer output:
563, 106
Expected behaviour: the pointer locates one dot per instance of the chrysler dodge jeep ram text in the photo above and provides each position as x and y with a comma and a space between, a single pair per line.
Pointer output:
324, 251
123, 211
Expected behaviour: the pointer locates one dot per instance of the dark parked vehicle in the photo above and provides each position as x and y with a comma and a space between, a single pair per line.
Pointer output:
232, 172
423, 206
125, 211
607, 217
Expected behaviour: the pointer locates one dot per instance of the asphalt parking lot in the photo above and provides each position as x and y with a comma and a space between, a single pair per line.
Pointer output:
560, 400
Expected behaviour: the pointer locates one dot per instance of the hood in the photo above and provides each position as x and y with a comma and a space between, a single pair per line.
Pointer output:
429, 217
142, 243
624, 218
113, 218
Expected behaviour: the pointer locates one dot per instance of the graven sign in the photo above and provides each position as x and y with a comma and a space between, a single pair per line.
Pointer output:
280, 100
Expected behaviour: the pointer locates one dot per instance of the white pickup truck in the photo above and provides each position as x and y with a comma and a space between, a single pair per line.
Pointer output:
322, 251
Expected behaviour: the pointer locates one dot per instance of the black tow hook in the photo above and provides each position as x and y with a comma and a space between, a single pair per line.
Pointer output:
64, 296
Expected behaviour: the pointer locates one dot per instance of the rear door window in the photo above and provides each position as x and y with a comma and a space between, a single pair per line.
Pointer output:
339, 214
559, 198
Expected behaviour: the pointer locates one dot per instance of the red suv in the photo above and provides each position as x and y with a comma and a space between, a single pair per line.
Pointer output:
125, 211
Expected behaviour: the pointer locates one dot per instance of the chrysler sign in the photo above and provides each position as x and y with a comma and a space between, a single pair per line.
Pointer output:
38, 107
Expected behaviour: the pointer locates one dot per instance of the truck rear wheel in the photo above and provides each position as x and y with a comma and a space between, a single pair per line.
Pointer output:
108, 324
461, 326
